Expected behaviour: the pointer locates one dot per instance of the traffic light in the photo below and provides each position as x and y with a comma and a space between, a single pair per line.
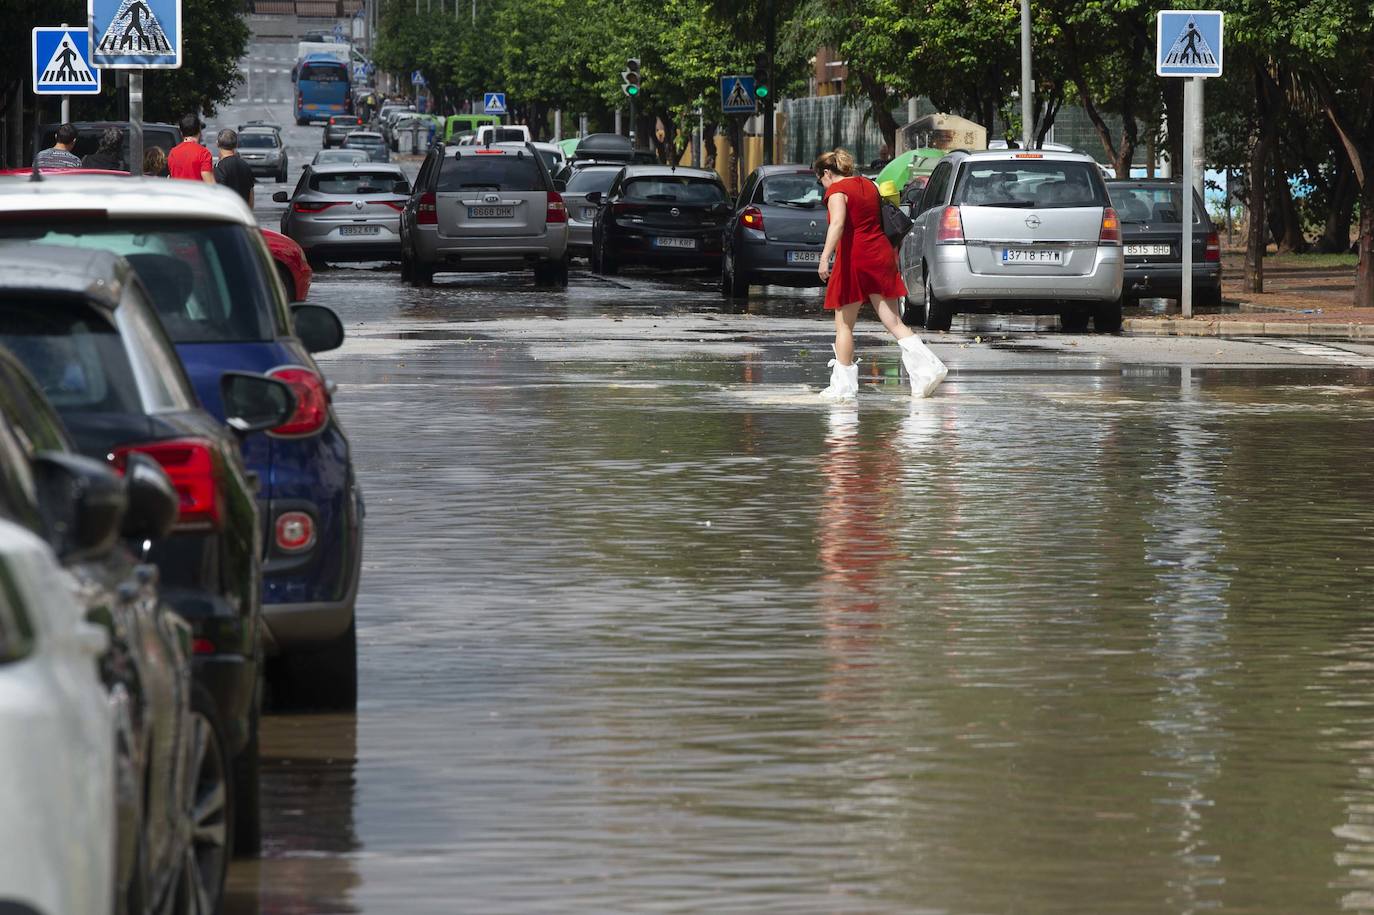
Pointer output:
761, 77
630, 78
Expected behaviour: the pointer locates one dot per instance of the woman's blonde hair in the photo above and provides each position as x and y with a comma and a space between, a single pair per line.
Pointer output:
838, 161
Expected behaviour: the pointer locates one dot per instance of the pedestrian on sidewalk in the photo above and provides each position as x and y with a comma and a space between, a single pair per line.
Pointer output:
189, 159
60, 154
154, 163
864, 270
109, 154
231, 171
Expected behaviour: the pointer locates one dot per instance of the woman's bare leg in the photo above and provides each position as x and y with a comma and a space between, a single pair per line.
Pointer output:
844, 332
890, 316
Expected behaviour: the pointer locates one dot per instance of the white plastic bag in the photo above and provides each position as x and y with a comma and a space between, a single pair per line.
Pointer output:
924, 367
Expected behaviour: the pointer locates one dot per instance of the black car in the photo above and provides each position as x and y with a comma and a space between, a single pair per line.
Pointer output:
1151, 213
80, 321
88, 133
97, 525
777, 231
659, 215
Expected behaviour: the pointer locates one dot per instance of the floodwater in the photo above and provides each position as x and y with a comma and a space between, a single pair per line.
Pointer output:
644, 628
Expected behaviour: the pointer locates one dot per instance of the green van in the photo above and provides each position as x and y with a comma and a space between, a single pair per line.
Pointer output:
467, 123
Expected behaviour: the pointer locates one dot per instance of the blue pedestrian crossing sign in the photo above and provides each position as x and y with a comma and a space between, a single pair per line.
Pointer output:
1189, 43
737, 95
62, 62
494, 103
136, 34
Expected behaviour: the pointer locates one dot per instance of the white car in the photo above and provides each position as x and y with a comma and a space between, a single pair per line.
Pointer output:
57, 740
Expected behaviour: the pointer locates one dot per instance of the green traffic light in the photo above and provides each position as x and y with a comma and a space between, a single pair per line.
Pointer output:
632, 90
761, 91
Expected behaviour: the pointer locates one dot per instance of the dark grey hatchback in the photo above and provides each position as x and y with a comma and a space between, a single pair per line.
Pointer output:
776, 233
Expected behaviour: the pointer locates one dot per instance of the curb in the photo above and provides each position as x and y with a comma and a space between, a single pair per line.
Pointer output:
1202, 327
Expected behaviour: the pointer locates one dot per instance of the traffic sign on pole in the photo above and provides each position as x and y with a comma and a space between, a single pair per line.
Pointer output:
136, 34
1188, 43
737, 95
62, 62
494, 103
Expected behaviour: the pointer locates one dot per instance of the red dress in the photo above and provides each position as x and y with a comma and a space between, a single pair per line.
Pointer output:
865, 262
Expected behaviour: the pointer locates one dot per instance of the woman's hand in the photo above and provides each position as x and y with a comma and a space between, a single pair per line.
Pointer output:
824, 270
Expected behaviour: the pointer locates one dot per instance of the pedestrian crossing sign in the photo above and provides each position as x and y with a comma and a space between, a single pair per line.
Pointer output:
1189, 43
494, 103
62, 62
136, 34
737, 95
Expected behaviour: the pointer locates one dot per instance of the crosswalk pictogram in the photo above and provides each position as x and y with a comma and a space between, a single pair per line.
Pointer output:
134, 29
66, 67
1190, 49
61, 62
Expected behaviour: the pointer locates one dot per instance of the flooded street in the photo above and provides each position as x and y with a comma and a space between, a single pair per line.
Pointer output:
645, 627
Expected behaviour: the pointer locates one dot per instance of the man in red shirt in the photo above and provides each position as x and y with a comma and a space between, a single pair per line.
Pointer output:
188, 159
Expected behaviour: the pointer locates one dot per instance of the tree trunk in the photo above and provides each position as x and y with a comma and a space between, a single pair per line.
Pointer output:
1283, 216
882, 115
1364, 276
1173, 125
1341, 208
1267, 98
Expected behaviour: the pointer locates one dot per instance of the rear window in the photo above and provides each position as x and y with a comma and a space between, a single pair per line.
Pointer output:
793, 190
490, 173
356, 140
1030, 183
323, 73
76, 356
670, 188
205, 279
592, 179
354, 183
257, 141
1151, 204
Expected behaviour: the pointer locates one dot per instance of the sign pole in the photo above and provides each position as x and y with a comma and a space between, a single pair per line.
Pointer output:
1190, 93
136, 122
1027, 92
66, 101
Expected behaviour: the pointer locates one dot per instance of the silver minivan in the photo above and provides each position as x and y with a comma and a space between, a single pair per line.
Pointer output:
1019, 231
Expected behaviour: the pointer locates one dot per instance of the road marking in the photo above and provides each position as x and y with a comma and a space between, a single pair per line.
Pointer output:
273, 101
1320, 351
258, 101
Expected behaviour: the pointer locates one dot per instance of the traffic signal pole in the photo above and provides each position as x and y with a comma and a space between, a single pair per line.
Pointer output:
770, 48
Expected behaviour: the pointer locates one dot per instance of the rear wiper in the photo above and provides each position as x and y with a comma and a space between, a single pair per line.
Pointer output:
494, 187
1022, 204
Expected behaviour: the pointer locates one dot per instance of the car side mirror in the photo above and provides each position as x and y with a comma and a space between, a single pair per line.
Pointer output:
400, 187
560, 185
255, 403
595, 197
281, 197
83, 502
317, 327
153, 502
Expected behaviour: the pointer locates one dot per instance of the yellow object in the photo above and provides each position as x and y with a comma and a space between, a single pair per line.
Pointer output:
889, 191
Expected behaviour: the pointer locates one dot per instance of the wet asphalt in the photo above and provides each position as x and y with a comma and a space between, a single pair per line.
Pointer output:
645, 627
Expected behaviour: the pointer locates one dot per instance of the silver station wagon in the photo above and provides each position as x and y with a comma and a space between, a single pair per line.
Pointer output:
1015, 231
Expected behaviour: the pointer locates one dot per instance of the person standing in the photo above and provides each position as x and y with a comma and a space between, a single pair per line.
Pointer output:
60, 154
108, 155
864, 271
154, 163
189, 159
231, 171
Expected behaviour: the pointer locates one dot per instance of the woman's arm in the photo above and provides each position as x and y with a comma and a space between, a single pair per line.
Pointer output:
837, 207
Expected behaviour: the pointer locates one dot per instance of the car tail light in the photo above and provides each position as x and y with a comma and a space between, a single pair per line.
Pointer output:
190, 464
491, 152
427, 213
312, 206
556, 211
752, 218
312, 400
1029, 156
1212, 253
294, 532
951, 229
1111, 228
202, 646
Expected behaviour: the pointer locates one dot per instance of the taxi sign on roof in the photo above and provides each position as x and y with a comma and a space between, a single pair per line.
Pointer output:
61, 62
136, 34
1189, 43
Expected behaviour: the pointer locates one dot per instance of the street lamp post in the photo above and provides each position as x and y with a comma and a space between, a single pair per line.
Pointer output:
1027, 94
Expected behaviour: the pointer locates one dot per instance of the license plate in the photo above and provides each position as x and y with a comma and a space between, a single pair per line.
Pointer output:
1032, 256
688, 243
360, 230
803, 257
491, 212
588, 214
1148, 250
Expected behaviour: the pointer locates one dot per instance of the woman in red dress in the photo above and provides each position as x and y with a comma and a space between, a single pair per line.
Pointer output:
864, 270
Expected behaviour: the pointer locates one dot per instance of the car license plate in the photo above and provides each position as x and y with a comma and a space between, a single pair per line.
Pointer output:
1032, 256
803, 257
688, 243
490, 212
1148, 250
360, 230
589, 214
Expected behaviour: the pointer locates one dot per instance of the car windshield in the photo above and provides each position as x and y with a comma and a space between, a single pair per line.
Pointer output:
592, 179
793, 190
342, 156
77, 357
351, 183
1150, 204
674, 189
204, 278
257, 141
1038, 184
490, 172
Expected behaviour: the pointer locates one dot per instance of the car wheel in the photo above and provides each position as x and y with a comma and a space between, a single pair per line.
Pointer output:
288, 282
560, 274
316, 263
939, 316
325, 677
732, 283
421, 275
302, 122
207, 804
1207, 296
407, 271
913, 315
1074, 321
247, 796
281, 175
1107, 317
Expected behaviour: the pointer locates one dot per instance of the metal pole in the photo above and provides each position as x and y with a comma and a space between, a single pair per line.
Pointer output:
701, 136
66, 102
474, 12
136, 122
557, 124
619, 127
1230, 221
633, 144
770, 41
1199, 140
1190, 88
1027, 93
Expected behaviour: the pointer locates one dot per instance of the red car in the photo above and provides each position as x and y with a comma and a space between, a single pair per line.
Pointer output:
295, 273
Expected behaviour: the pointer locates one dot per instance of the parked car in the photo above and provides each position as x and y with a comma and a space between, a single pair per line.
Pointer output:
777, 231
1152, 239
591, 178
347, 212
263, 152
341, 157
169, 814
253, 125
292, 266
371, 143
487, 134
386, 124
1015, 231
88, 133
661, 216
340, 126
457, 124
553, 157
484, 208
